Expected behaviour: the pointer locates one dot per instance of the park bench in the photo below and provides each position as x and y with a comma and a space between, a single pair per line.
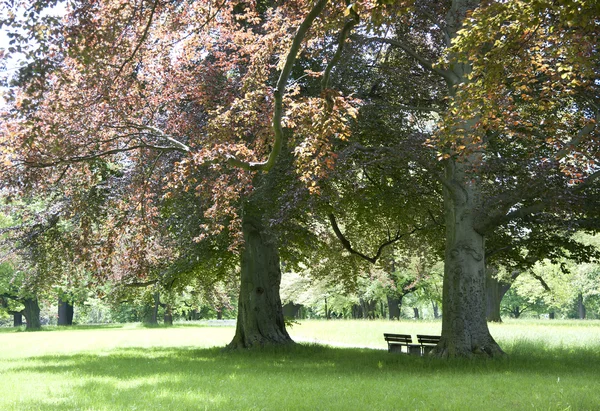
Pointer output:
427, 342
397, 341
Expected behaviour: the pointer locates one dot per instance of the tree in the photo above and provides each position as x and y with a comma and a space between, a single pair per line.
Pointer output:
498, 171
105, 90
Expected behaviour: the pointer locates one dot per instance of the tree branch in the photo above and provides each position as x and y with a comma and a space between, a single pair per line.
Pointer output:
346, 244
585, 131
139, 44
338, 53
141, 284
278, 94
178, 145
450, 77
541, 280
80, 159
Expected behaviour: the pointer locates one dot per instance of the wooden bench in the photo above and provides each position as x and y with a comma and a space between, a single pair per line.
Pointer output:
427, 342
397, 341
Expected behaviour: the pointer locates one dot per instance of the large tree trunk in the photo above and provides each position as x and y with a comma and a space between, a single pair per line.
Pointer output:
260, 314
495, 291
31, 312
17, 319
65, 312
464, 327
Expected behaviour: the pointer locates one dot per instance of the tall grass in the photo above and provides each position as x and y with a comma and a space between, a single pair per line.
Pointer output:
184, 368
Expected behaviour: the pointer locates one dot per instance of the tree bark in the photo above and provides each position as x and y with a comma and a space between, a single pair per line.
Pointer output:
495, 291
394, 304
31, 312
260, 314
152, 319
65, 312
464, 327
17, 319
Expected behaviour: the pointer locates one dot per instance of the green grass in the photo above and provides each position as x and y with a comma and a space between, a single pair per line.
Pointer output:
551, 366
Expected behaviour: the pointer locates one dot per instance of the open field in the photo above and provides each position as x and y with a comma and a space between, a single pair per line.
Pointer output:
551, 366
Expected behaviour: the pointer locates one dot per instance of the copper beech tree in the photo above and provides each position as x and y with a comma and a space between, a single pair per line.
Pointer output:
149, 99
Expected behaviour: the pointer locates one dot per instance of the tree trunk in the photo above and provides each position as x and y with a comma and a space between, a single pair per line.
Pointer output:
152, 319
17, 319
464, 327
31, 312
65, 312
260, 315
357, 311
551, 315
436, 310
291, 310
416, 311
168, 317
495, 291
581, 311
394, 304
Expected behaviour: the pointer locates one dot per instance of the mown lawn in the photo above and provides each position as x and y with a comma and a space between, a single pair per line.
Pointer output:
551, 366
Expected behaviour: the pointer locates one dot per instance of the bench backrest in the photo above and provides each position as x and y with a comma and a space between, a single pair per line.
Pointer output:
401, 338
428, 339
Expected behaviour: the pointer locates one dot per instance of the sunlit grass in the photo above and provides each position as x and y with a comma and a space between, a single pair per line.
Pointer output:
184, 368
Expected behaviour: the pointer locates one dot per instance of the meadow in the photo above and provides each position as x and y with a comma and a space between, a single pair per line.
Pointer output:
551, 365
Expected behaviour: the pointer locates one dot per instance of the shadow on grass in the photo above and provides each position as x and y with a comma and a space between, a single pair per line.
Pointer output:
298, 377
46, 328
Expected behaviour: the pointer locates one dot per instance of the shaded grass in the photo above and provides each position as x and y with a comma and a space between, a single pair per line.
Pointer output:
177, 369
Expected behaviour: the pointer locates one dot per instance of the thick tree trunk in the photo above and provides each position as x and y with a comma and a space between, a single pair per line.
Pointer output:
17, 319
31, 312
65, 312
495, 291
581, 311
464, 327
260, 315
394, 304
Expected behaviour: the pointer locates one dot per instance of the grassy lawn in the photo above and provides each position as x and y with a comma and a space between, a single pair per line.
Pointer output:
551, 366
